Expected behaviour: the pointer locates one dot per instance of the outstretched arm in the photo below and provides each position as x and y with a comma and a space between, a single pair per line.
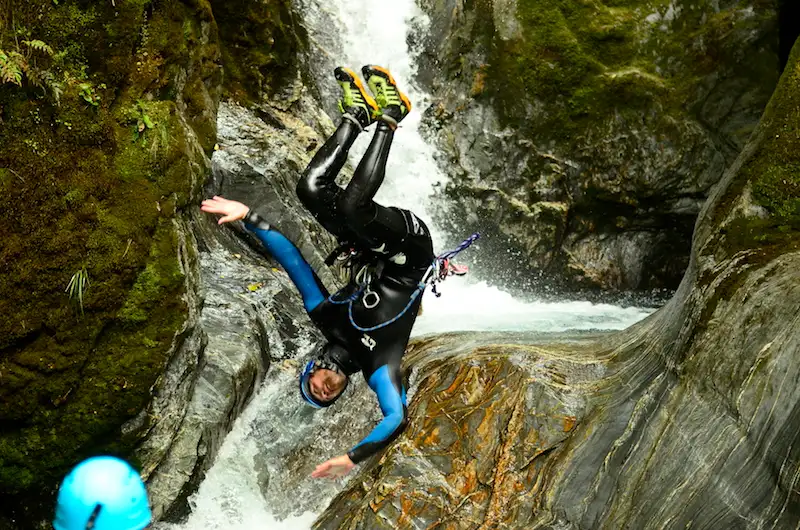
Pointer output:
385, 382
278, 245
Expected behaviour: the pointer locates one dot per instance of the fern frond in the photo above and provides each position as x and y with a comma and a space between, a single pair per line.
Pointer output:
35, 77
57, 89
19, 60
10, 72
38, 46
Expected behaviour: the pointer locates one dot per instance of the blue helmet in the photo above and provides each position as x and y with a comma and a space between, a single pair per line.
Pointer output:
102, 493
326, 359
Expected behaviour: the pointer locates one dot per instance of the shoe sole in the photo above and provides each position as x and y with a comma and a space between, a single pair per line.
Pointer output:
360, 85
391, 80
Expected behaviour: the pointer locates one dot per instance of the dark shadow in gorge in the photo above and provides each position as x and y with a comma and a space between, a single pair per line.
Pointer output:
789, 15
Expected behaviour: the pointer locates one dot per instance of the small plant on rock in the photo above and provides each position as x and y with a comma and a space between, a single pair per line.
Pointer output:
22, 62
87, 92
77, 287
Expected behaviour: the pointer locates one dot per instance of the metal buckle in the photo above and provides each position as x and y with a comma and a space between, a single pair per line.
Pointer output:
364, 299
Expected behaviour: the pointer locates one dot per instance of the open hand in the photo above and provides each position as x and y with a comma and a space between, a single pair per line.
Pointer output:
229, 210
334, 468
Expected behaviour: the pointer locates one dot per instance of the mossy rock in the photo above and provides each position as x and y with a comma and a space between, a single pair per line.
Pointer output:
97, 162
639, 105
259, 46
759, 209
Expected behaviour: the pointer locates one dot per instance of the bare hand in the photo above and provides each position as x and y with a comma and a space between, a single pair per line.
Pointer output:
334, 468
230, 210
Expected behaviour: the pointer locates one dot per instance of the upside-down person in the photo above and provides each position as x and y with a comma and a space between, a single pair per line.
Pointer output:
367, 324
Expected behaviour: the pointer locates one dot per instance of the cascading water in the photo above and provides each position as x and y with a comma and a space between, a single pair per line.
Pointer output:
260, 478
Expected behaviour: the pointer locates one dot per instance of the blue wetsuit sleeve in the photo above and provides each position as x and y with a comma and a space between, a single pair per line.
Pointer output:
290, 258
395, 415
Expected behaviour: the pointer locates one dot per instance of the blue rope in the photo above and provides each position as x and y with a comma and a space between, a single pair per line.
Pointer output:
414, 295
460, 248
437, 263
348, 300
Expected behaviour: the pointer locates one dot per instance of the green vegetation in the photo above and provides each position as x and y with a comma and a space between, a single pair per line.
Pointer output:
772, 172
77, 286
93, 170
87, 93
588, 61
83, 193
258, 46
23, 63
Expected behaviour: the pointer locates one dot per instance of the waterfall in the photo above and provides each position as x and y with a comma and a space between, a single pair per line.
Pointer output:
260, 477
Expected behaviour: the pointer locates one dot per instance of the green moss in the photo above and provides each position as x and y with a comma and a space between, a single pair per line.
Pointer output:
554, 62
83, 190
584, 62
778, 190
259, 46
772, 172
159, 276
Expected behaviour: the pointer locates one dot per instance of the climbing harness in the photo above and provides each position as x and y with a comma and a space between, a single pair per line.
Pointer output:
437, 272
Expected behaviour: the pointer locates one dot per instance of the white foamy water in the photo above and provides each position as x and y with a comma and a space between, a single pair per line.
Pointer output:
481, 307
254, 482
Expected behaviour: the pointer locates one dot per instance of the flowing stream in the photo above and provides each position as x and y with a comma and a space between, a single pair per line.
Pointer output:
260, 478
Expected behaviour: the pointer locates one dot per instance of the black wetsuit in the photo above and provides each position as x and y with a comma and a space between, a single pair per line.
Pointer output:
394, 241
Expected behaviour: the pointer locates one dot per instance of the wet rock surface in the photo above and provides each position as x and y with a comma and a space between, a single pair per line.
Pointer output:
588, 135
261, 155
246, 308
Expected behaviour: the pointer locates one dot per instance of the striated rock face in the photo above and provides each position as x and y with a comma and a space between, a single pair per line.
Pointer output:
588, 135
262, 153
489, 415
247, 318
687, 420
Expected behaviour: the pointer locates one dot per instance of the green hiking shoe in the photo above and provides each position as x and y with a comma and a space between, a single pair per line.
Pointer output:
356, 101
394, 105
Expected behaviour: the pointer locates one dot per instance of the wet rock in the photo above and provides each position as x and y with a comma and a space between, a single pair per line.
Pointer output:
261, 155
626, 114
487, 422
248, 315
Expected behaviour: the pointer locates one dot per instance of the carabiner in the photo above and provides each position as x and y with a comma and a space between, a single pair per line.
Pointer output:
376, 296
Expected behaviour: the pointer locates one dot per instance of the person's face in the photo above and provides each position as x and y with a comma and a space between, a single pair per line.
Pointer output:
326, 384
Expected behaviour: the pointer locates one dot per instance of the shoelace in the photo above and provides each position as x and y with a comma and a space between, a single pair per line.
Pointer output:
357, 98
390, 95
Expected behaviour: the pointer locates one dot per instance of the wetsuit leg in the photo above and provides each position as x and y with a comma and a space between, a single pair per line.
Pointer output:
316, 188
372, 223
